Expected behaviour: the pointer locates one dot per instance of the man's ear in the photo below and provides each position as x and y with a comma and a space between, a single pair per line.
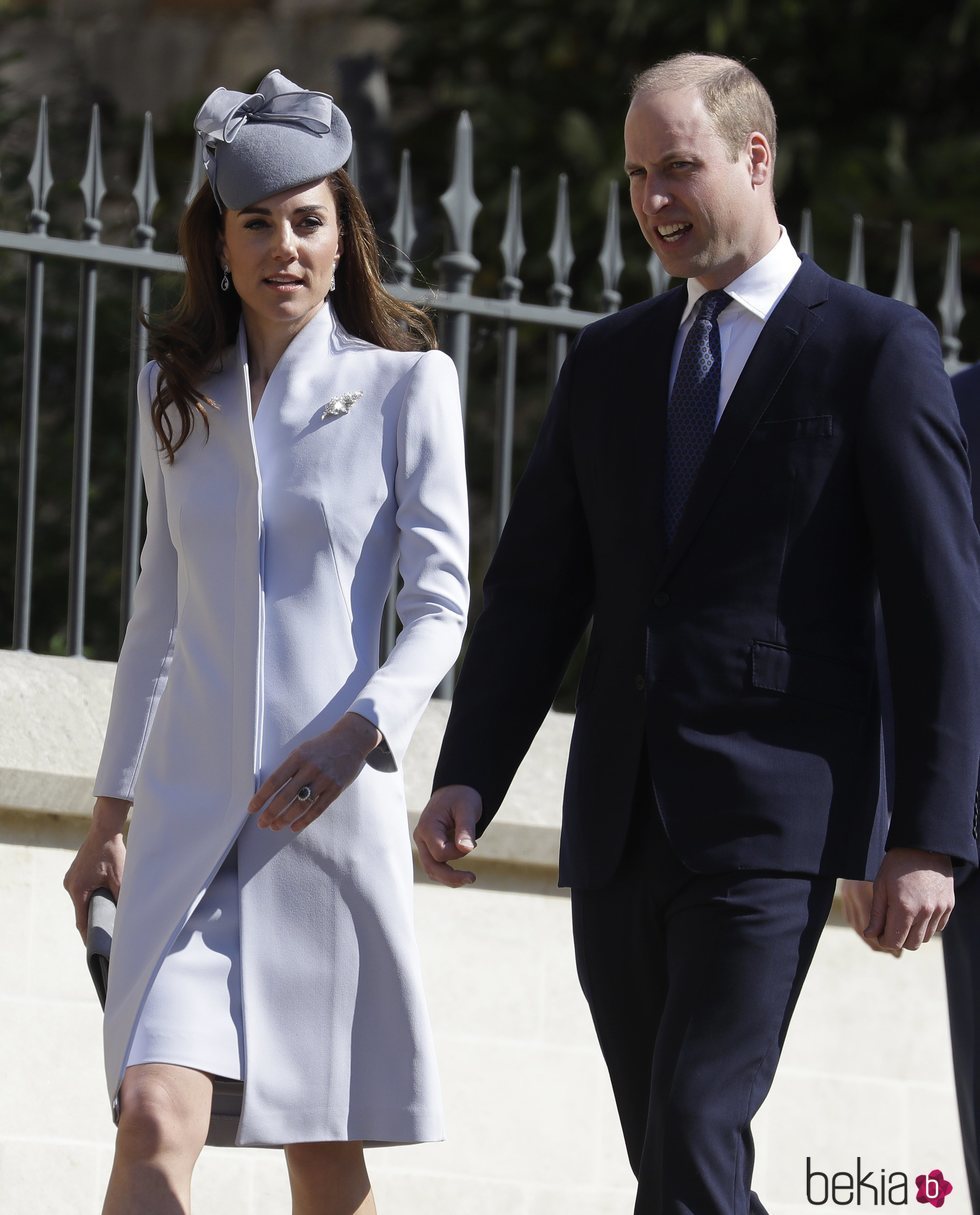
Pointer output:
760, 158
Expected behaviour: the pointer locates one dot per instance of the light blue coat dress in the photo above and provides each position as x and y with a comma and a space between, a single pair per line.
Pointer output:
269, 554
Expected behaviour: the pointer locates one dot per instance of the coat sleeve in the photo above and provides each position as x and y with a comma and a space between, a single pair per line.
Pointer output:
432, 517
538, 598
144, 661
915, 484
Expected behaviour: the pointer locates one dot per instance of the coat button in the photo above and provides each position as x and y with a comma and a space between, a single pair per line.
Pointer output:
639, 683
661, 599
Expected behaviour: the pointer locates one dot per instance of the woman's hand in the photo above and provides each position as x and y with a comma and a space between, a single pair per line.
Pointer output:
100, 860
322, 767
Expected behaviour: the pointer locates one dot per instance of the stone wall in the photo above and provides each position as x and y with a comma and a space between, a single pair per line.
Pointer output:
139, 55
533, 1131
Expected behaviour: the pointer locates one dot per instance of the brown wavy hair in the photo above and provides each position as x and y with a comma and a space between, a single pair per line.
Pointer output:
187, 341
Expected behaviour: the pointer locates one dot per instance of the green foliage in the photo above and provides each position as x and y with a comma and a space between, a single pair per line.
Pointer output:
58, 380
876, 105
877, 110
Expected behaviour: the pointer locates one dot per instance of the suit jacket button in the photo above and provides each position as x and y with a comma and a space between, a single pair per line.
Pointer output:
639, 683
661, 599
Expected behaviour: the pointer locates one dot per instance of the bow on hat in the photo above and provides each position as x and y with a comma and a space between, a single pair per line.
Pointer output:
278, 100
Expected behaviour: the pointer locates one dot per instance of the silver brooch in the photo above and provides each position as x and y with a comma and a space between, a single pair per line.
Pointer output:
336, 407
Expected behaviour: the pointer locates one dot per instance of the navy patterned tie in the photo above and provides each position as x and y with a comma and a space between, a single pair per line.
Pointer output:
693, 407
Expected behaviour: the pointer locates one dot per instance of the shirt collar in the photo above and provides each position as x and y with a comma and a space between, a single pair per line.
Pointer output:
759, 288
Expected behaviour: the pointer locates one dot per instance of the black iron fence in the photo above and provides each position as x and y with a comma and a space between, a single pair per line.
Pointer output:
454, 302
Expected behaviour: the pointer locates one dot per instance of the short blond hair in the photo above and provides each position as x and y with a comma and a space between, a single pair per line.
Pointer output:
732, 95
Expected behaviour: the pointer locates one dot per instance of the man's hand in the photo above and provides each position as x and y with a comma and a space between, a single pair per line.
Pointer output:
855, 898
446, 831
912, 898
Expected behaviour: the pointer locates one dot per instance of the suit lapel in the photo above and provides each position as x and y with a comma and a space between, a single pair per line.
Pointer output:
641, 444
779, 345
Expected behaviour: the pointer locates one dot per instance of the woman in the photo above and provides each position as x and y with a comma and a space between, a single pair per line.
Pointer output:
299, 440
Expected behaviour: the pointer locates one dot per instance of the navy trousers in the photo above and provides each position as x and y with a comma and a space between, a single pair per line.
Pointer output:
961, 957
691, 980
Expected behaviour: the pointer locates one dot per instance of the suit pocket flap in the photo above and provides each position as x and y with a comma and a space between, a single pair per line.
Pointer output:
808, 676
784, 429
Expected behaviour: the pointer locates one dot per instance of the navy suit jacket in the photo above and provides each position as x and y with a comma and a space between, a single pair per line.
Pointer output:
966, 390
743, 653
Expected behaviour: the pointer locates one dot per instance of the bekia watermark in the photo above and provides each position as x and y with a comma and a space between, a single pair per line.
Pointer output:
874, 1187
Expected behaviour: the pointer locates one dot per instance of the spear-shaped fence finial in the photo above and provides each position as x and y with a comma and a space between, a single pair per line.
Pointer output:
512, 245
459, 202
561, 254
353, 166
904, 288
950, 308
659, 278
403, 229
855, 261
40, 177
805, 245
197, 175
145, 191
93, 181
458, 266
611, 257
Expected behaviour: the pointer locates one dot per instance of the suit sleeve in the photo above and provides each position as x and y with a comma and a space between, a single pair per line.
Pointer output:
538, 596
144, 661
916, 489
433, 529
966, 391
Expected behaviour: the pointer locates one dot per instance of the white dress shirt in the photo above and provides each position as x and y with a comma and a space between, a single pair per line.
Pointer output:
754, 295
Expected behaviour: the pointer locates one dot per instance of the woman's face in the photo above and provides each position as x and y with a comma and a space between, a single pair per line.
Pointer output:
281, 253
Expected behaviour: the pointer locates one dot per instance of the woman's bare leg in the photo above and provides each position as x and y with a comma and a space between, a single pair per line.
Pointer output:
163, 1123
329, 1179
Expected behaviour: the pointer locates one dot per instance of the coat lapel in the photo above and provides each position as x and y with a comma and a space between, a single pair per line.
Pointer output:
303, 376
782, 339
228, 385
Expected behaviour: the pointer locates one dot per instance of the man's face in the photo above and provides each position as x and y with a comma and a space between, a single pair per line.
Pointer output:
705, 215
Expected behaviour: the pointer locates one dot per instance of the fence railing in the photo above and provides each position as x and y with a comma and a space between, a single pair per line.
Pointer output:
453, 301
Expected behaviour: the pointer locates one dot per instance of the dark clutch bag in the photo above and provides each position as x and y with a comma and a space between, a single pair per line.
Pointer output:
226, 1102
101, 920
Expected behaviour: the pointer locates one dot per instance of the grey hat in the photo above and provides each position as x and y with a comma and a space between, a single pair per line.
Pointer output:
261, 143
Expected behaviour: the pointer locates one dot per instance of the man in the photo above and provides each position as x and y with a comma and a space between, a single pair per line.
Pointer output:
724, 763
961, 937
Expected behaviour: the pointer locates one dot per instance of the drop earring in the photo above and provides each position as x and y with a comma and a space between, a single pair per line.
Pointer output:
333, 281
225, 280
